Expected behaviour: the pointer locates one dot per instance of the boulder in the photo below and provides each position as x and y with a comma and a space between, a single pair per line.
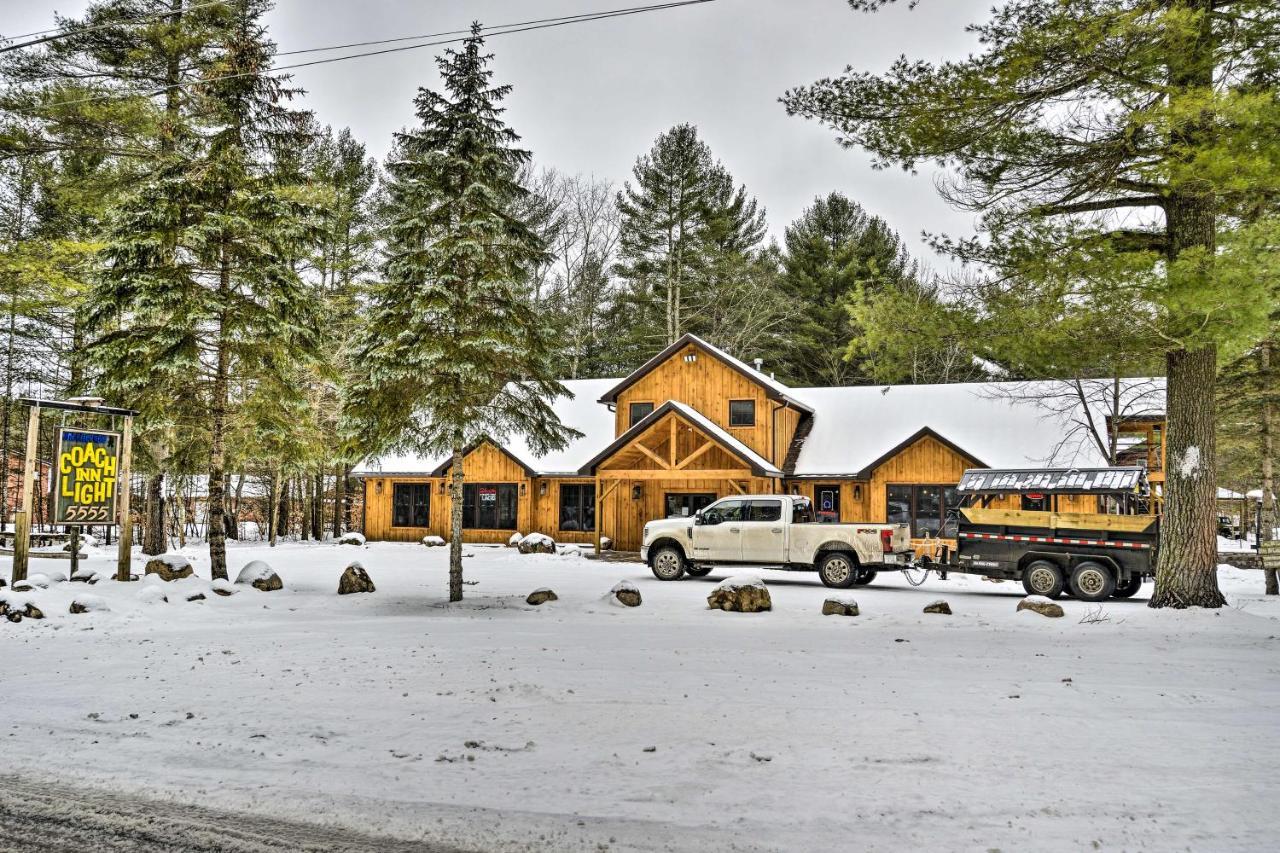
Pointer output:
88, 604
625, 593
56, 576
169, 567
541, 596
23, 586
514, 541
32, 612
938, 607
223, 587
196, 596
840, 607
355, 579
606, 544
260, 576
537, 543
351, 538
741, 594
83, 575
14, 616
36, 581
433, 541
152, 595
1043, 606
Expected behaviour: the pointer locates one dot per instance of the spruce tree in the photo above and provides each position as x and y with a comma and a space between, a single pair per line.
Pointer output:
454, 349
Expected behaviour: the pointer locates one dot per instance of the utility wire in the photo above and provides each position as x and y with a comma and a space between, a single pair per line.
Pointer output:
63, 33
578, 19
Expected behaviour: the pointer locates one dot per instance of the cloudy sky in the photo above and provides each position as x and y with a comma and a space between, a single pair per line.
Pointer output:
591, 97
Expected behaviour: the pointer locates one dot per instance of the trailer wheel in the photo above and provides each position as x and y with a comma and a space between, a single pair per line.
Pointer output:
864, 576
1042, 577
1129, 588
837, 569
697, 571
667, 563
1092, 582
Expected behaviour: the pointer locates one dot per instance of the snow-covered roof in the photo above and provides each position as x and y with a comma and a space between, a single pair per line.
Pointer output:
580, 411
995, 423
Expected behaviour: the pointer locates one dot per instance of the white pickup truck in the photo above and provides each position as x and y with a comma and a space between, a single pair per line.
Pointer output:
774, 531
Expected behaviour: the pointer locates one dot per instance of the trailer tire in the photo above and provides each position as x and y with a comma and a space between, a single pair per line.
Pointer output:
1092, 581
667, 563
697, 571
1041, 577
1129, 588
864, 577
838, 569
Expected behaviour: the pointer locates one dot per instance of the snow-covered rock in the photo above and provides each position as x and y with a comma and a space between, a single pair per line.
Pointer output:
153, 594
351, 537
625, 594
355, 579
56, 576
169, 567
514, 541
541, 596
1043, 606
938, 606
741, 594
89, 604
36, 581
537, 543
433, 541
223, 587
83, 574
840, 605
260, 576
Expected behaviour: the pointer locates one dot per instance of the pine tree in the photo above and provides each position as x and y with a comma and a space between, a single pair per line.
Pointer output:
453, 349
1108, 147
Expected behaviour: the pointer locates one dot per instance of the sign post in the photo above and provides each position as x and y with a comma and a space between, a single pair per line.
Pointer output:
124, 542
22, 519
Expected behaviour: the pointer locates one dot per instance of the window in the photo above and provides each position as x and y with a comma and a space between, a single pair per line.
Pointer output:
725, 511
489, 506
764, 511
1035, 502
685, 505
802, 511
742, 413
577, 506
410, 505
927, 508
828, 500
638, 412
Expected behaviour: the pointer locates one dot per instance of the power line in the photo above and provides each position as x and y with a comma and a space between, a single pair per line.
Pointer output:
497, 31
61, 33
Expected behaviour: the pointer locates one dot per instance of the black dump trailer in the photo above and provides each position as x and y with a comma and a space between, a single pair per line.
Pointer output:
1093, 555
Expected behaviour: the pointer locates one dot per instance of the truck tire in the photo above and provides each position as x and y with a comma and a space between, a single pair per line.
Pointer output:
697, 571
1092, 581
667, 563
1042, 577
1129, 588
838, 569
864, 577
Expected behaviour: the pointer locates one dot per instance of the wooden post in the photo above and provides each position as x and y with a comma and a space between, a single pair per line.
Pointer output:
599, 514
22, 519
125, 542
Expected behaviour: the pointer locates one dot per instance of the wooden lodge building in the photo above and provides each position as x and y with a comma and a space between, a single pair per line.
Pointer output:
694, 424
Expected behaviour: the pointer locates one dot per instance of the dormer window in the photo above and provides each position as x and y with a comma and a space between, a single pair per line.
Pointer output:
742, 413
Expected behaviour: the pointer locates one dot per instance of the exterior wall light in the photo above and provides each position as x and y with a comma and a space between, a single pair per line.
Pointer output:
637, 492
542, 488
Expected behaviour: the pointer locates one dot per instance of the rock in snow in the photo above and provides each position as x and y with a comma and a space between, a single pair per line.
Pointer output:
260, 576
355, 579
1041, 605
840, 607
351, 538
537, 543
223, 587
88, 604
514, 541
433, 541
625, 594
938, 606
741, 594
541, 596
152, 595
169, 567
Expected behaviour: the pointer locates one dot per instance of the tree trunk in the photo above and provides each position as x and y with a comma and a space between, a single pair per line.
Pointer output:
217, 453
346, 497
304, 506
1187, 568
154, 541
317, 506
339, 498
282, 511
455, 523
1267, 528
273, 525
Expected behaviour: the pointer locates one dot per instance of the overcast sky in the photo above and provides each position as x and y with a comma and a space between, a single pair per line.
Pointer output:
591, 97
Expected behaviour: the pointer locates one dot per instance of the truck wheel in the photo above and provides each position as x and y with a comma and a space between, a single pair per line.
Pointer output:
1129, 588
1092, 582
864, 577
697, 571
838, 570
667, 563
1043, 578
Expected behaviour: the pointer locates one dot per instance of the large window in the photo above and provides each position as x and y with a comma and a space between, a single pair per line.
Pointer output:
924, 507
489, 506
637, 412
410, 505
577, 506
742, 413
685, 505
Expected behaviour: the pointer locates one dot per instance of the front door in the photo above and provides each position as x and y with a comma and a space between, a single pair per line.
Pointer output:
719, 537
763, 535
827, 499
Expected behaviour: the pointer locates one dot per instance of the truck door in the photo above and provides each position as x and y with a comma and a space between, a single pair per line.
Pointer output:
718, 535
764, 536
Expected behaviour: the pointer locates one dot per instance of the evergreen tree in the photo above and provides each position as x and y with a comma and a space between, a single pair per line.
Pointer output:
1111, 145
454, 349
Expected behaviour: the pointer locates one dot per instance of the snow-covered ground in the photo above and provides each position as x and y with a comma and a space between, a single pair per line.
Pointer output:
583, 725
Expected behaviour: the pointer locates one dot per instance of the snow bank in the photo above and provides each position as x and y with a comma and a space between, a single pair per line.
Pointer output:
151, 594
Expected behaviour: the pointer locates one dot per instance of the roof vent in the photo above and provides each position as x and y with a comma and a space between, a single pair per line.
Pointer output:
759, 363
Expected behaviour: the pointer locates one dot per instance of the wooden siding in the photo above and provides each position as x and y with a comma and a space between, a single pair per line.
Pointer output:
926, 462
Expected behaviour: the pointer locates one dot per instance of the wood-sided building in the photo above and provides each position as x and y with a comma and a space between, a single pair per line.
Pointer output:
694, 424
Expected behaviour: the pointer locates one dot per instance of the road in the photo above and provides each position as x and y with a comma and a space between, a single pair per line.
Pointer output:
48, 817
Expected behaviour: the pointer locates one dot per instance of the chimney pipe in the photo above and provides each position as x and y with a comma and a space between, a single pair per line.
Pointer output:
759, 362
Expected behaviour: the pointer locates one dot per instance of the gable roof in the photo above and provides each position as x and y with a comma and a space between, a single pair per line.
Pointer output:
774, 389
759, 466
443, 468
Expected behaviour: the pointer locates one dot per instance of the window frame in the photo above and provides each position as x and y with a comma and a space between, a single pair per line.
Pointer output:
749, 400
632, 420
913, 504
426, 490
667, 496
817, 504
473, 523
584, 507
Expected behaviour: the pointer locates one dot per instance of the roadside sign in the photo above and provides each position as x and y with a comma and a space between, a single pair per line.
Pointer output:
87, 473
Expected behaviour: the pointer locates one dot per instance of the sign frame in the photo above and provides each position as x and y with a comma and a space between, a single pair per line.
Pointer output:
107, 515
